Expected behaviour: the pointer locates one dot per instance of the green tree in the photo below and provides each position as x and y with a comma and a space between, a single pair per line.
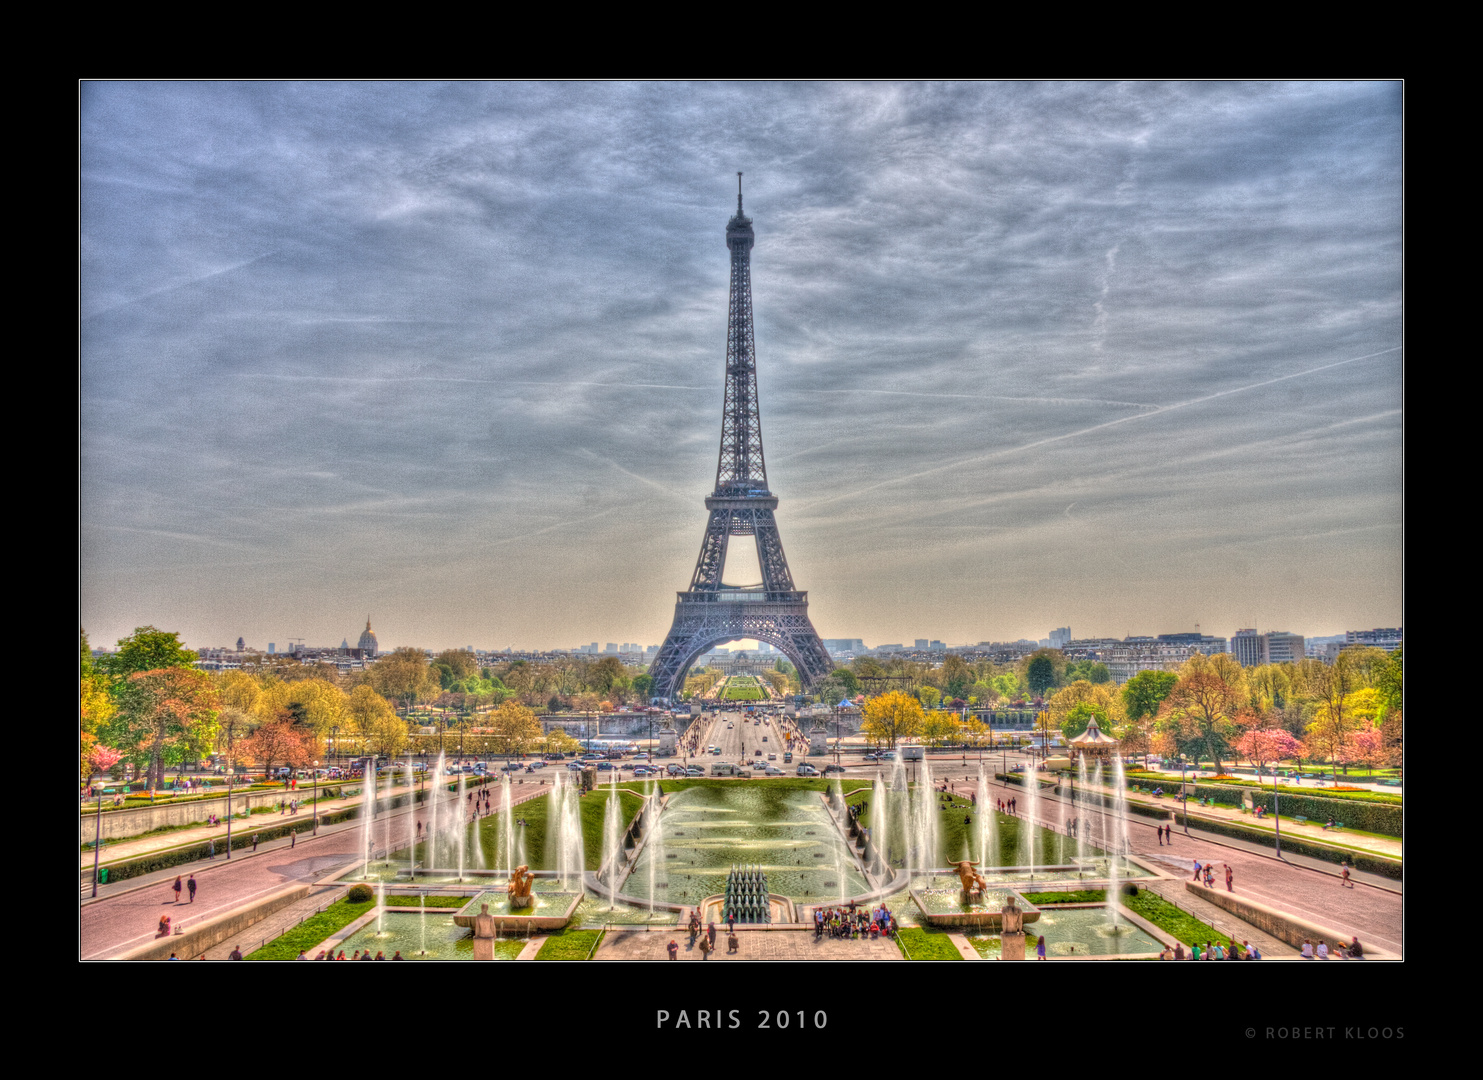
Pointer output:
1145, 692
847, 679
1040, 672
957, 676
403, 676
147, 649
515, 728
1091, 670
643, 685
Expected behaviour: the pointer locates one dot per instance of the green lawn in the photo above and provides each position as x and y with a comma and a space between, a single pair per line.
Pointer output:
1171, 919
1079, 896
919, 943
570, 945
312, 931
592, 807
426, 901
959, 841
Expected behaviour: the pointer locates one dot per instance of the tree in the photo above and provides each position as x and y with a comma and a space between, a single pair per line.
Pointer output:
939, 727
929, 696
1261, 744
147, 649
403, 676
892, 716
557, 741
280, 740
515, 727
1041, 672
1074, 707
957, 676
847, 679
1090, 670
1145, 692
459, 665
100, 759
1204, 701
1332, 689
643, 686
164, 716
95, 704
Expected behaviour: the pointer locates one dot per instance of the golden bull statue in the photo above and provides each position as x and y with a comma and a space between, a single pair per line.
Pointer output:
972, 881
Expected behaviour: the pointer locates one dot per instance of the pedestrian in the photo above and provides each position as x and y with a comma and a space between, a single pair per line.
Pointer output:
190, 886
293, 838
211, 848
705, 948
176, 889
1197, 871
1040, 947
1230, 876
236, 953
1344, 875
732, 943
254, 841
673, 949
1160, 831
711, 934
1323, 949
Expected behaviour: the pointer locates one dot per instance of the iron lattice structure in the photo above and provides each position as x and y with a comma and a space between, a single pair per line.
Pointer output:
710, 613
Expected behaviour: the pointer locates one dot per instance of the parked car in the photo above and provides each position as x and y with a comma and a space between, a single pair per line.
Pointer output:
832, 768
676, 770
643, 770
575, 766
694, 770
604, 766
807, 770
772, 757
772, 770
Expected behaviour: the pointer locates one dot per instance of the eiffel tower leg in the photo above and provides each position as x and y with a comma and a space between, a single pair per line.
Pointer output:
703, 624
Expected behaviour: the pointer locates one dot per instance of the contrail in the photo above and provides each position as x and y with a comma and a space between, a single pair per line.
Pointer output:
178, 285
634, 475
979, 458
990, 397
375, 379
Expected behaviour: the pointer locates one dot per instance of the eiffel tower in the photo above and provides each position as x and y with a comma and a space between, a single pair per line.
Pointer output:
710, 613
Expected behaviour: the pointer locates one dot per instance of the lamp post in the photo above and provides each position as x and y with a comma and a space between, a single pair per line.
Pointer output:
97, 838
335, 742
315, 775
1183, 795
230, 778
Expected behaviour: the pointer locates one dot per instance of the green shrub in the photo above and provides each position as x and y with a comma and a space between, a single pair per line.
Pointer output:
359, 894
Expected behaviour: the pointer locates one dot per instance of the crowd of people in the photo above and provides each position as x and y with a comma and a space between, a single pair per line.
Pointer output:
853, 922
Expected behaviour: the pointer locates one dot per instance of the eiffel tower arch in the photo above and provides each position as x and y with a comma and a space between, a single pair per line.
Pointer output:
710, 613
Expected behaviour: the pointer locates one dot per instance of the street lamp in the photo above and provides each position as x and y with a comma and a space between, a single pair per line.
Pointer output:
315, 775
335, 742
97, 838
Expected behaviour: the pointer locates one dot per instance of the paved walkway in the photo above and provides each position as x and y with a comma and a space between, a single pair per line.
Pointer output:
773, 944
276, 924
1173, 890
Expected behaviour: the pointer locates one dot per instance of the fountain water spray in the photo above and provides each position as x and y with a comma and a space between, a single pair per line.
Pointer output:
612, 840
463, 829
506, 836
367, 812
880, 818
1028, 827
411, 825
1120, 823
988, 824
1081, 770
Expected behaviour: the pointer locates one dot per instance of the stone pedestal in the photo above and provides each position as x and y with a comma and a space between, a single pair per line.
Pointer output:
1012, 946
668, 741
818, 741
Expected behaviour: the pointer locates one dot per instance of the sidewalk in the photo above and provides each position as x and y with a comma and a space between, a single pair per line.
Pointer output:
1173, 890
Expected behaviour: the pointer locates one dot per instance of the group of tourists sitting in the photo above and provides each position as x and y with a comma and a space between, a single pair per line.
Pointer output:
1215, 951
851, 922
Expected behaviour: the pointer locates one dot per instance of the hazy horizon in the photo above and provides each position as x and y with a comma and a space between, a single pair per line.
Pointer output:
1121, 357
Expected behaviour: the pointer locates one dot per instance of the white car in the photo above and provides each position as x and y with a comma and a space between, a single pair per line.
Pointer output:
772, 770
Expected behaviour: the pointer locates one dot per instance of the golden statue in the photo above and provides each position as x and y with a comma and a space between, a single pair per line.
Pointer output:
519, 887
972, 881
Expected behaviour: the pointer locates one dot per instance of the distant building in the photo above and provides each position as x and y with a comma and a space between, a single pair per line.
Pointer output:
272, 648
1059, 637
367, 644
241, 645
844, 645
921, 644
1274, 647
1387, 639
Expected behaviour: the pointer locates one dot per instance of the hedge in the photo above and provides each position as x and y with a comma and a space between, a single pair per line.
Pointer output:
241, 837
1368, 815
1359, 860
1084, 796
1380, 797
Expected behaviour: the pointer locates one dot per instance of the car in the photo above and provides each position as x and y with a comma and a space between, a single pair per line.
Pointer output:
511, 767
643, 770
772, 770
872, 757
888, 755
764, 738
605, 766
676, 770
772, 757
807, 770
757, 752
694, 770
832, 768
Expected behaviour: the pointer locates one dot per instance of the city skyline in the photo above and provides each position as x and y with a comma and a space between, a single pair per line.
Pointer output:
1123, 357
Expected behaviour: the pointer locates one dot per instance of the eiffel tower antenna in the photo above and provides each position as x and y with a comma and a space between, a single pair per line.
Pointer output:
710, 613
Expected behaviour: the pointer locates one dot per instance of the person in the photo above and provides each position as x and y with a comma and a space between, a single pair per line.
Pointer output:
673, 949
164, 929
1355, 950
1179, 950
1160, 831
398, 955
1253, 953
236, 953
1197, 871
1040, 947
380, 955
211, 848
254, 841
341, 956
1344, 875
1307, 950
732, 942
1167, 954
304, 956
1216, 951
1329, 824
176, 889
1323, 949
191, 888
705, 948
1194, 952
1230, 877
356, 956
366, 955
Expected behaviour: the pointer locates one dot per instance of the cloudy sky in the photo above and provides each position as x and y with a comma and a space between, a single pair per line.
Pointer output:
1123, 357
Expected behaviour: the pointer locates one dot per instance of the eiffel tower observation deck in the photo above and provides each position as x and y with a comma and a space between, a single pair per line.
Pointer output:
711, 613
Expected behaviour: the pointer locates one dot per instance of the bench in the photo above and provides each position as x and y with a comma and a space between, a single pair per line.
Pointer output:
1391, 783
1301, 820
1335, 827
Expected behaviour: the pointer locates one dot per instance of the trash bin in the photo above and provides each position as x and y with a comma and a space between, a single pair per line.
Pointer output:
103, 876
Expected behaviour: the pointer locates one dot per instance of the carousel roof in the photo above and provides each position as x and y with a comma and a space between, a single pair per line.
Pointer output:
1093, 736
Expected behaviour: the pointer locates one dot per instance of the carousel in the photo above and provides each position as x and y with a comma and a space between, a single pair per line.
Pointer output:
1092, 744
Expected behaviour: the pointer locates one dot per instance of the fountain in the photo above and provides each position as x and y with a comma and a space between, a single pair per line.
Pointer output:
988, 823
612, 841
1032, 801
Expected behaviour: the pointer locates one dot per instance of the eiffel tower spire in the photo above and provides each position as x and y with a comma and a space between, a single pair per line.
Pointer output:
710, 613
